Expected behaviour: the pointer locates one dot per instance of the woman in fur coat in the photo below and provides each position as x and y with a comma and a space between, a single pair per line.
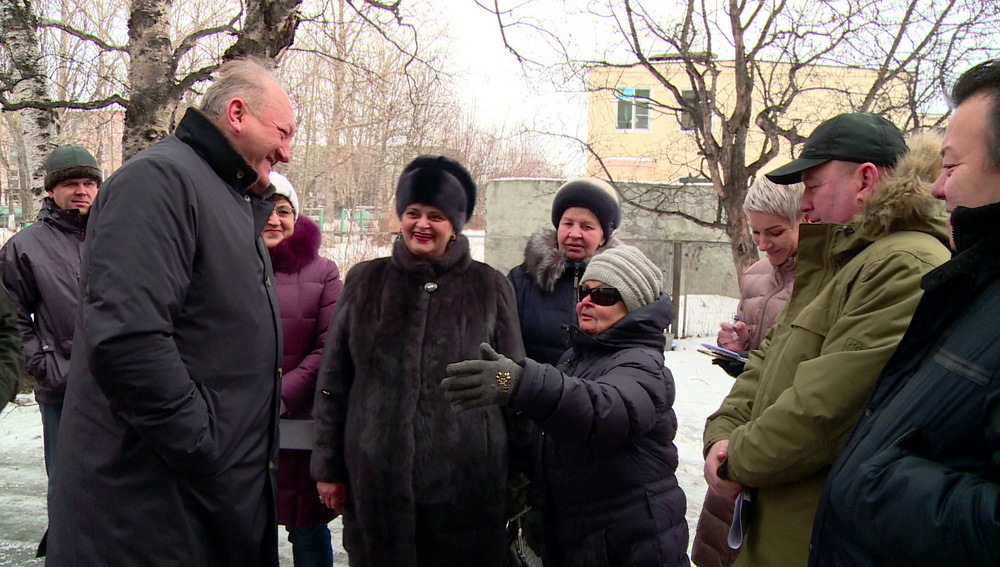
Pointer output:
307, 286
585, 213
416, 483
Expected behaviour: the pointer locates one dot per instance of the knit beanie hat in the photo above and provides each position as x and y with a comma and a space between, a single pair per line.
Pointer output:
283, 187
439, 182
625, 268
596, 195
70, 162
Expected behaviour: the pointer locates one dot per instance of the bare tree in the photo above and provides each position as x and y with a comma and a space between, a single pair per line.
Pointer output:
741, 73
23, 80
370, 99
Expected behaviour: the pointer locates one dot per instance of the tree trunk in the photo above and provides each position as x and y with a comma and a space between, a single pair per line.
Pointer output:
39, 128
151, 76
738, 229
269, 29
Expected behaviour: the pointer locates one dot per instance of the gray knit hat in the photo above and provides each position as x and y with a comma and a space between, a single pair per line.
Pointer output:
624, 267
70, 162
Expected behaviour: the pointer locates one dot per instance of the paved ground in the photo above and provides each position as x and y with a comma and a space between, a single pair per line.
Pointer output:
22, 490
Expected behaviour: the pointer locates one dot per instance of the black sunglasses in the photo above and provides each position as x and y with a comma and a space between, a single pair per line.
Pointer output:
605, 296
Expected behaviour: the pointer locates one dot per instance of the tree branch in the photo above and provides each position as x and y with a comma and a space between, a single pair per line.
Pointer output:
66, 28
7, 105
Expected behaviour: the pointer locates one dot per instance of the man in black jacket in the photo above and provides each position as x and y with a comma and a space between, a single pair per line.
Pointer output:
918, 481
169, 433
11, 362
40, 267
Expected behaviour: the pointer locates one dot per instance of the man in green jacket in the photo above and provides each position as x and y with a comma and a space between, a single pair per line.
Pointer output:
877, 232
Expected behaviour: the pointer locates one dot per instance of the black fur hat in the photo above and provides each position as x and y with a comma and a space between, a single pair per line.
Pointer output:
593, 194
439, 182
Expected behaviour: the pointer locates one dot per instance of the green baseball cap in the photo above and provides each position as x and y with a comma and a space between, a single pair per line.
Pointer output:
859, 137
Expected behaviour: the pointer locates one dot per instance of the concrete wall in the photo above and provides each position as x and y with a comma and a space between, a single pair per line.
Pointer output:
516, 208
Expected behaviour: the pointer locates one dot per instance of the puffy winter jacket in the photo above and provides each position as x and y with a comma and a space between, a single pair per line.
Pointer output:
605, 459
763, 294
308, 286
40, 267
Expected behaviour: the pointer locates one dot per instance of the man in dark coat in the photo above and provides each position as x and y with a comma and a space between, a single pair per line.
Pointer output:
918, 481
40, 267
11, 362
169, 433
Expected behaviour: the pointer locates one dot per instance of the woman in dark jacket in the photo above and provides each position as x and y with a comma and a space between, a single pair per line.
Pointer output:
606, 461
417, 484
585, 213
308, 286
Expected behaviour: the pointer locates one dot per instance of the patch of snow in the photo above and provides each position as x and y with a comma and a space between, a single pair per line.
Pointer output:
701, 386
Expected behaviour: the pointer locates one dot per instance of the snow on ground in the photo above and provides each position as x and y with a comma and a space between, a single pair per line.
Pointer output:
700, 388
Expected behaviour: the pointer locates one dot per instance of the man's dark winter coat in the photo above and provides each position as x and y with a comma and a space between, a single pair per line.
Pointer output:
426, 485
40, 266
169, 425
545, 289
308, 286
606, 461
918, 481
11, 362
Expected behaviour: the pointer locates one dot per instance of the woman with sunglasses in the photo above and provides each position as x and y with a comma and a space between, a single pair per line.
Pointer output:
307, 286
605, 459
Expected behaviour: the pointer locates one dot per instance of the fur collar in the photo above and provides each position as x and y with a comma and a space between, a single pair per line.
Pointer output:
902, 198
298, 250
455, 256
544, 263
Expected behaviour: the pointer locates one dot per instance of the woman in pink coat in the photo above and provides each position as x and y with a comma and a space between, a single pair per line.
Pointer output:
774, 216
307, 286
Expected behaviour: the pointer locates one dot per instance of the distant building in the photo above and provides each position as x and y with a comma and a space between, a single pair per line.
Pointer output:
641, 133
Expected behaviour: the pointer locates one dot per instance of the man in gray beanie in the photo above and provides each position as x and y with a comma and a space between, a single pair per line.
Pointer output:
40, 267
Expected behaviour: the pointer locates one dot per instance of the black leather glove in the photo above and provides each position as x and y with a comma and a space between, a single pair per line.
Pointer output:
478, 383
732, 367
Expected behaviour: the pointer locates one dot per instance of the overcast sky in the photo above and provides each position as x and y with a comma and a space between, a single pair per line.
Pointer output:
495, 88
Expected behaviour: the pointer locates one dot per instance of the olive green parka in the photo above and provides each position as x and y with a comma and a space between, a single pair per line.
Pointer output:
856, 287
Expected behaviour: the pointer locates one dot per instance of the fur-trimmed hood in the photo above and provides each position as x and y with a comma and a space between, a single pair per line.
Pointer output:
298, 250
544, 263
902, 198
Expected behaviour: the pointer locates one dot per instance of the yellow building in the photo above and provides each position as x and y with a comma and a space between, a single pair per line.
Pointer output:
640, 132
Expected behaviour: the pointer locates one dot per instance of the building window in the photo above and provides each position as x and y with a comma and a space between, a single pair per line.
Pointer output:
633, 109
687, 117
